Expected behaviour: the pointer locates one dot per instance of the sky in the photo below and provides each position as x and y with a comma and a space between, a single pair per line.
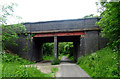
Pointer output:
48, 10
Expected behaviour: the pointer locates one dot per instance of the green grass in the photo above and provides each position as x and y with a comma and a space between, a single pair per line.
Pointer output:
0, 66
102, 63
13, 66
52, 57
70, 57
0, 70
14, 59
60, 56
12, 70
48, 57
55, 62
54, 70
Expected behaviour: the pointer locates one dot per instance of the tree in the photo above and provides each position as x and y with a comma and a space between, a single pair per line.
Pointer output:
90, 16
110, 23
6, 10
10, 33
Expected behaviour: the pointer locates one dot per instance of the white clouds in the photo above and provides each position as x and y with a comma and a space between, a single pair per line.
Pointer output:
45, 10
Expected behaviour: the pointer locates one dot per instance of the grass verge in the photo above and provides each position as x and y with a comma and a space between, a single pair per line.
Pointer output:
55, 62
70, 57
51, 57
48, 57
13, 66
102, 63
54, 70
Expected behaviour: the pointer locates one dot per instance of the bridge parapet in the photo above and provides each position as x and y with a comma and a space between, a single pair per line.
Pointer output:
62, 25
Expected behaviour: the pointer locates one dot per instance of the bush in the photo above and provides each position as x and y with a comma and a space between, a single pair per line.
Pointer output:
102, 63
12, 70
48, 49
47, 57
9, 58
110, 22
13, 66
65, 48
55, 61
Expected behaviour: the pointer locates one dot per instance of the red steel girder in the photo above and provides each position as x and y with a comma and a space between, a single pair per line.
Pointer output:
59, 34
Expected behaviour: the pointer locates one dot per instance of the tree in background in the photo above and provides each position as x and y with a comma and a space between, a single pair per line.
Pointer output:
110, 22
90, 16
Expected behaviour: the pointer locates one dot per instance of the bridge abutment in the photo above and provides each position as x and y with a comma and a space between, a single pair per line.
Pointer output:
76, 45
91, 41
36, 50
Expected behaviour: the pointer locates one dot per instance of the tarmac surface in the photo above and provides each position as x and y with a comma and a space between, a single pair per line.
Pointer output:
70, 70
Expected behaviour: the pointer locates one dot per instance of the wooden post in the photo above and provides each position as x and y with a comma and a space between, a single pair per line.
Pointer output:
55, 47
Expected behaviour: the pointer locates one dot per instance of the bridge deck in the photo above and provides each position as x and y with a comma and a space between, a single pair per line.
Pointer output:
62, 25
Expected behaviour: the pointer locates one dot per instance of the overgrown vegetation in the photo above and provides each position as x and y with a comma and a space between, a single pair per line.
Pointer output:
10, 34
64, 48
90, 16
55, 62
110, 22
70, 57
48, 53
54, 70
102, 63
11, 58
13, 66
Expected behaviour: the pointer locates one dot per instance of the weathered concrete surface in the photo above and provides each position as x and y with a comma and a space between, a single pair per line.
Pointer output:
84, 34
61, 25
67, 69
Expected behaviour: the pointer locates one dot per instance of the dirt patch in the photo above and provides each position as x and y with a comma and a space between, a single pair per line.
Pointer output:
44, 67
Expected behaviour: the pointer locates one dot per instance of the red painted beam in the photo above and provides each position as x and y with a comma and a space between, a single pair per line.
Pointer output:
59, 34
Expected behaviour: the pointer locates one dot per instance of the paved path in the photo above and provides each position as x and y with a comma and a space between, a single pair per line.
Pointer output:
68, 69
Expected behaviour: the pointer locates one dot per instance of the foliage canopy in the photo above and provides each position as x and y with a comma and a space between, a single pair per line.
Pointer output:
110, 23
9, 32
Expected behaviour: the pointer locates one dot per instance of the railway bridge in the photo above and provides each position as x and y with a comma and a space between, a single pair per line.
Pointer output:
84, 33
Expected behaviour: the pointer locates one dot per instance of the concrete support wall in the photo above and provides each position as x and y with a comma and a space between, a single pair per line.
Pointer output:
91, 41
36, 50
76, 52
22, 48
82, 46
88, 43
102, 41
55, 47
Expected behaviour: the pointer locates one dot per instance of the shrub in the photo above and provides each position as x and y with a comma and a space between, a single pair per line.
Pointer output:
55, 61
102, 63
13, 66
12, 70
9, 58
47, 57
54, 69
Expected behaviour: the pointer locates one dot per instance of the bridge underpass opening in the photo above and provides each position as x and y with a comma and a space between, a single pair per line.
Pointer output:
64, 48
48, 51
39, 41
